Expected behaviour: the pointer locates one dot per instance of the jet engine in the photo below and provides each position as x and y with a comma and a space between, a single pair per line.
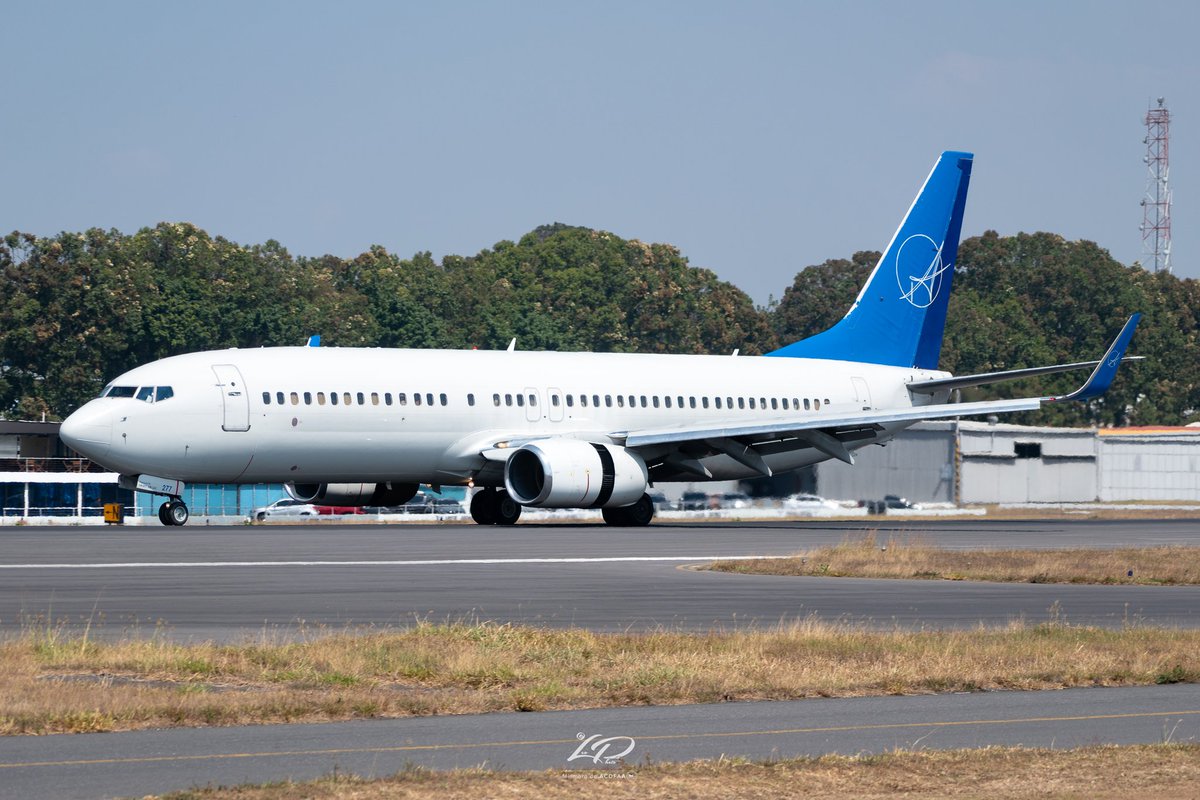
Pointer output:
352, 494
568, 473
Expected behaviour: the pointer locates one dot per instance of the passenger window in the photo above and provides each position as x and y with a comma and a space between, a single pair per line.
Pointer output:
785, 404
570, 401
751, 403
554, 400
308, 398
826, 401
416, 398
717, 402
362, 401
279, 398
387, 398
266, 398
470, 399
681, 401
774, 404
401, 399
333, 398
608, 401
521, 400
643, 399
441, 399
496, 400
429, 398
667, 401
596, 400
508, 399
741, 402
762, 403
346, 398
620, 401
164, 393
654, 400
704, 402
320, 398
533, 399
816, 404
582, 400
374, 398
295, 398
807, 405
691, 402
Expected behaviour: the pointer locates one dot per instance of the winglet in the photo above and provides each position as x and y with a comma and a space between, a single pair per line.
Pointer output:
314, 340
1102, 376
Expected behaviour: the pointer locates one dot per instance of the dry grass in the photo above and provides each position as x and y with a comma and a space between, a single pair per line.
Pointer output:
51, 682
914, 557
1147, 771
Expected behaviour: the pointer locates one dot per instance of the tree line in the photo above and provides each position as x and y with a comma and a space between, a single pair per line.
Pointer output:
80, 308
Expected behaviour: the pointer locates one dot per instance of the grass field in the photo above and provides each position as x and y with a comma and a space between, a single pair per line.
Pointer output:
54, 682
913, 557
1133, 773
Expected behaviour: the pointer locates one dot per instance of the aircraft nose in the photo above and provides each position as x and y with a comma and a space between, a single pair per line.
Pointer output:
89, 430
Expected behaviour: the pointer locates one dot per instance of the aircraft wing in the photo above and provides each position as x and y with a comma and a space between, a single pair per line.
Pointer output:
682, 447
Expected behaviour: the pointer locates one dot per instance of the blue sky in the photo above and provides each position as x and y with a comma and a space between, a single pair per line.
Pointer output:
758, 137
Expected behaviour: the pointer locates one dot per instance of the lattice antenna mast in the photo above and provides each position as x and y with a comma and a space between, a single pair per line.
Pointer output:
1156, 205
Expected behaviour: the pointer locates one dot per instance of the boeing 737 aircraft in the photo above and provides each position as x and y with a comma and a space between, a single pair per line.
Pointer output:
558, 430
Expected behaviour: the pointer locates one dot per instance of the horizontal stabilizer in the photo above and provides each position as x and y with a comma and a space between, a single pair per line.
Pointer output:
985, 378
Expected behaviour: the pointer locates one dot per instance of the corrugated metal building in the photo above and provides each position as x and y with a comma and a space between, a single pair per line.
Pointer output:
978, 462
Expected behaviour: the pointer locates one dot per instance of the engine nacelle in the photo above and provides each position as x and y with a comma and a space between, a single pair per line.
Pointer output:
352, 494
568, 473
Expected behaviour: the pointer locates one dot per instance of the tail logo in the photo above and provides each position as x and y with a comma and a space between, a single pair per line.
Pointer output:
919, 270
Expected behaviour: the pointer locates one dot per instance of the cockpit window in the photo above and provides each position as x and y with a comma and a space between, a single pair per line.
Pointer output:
146, 393
121, 391
164, 393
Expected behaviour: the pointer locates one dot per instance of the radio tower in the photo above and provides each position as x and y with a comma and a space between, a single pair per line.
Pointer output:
1156, 205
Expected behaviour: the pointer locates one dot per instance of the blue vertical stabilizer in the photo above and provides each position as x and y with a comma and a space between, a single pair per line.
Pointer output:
900, 314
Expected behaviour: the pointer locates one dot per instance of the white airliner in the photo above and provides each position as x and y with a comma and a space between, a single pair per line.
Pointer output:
557, 430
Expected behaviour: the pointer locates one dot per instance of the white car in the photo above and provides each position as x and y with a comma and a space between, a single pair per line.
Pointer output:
807, 501
284, 508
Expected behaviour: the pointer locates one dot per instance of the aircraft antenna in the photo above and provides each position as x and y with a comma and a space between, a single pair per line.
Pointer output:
1156, 204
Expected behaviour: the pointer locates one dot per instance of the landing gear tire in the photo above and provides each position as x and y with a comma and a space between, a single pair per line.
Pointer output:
173, 513
483, 507
637, 515
508, 511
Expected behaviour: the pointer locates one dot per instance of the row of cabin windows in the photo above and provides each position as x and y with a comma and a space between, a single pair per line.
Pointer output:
667, 401
520, 399
362, 398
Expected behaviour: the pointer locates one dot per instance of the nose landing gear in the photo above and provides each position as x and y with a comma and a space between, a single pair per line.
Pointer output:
173, 512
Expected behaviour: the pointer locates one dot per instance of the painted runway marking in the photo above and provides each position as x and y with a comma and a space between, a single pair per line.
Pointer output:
425, 563
640, 738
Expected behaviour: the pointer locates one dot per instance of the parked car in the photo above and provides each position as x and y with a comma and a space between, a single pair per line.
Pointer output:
802, 501
693, 501
660, 501
735, 500
446, 505
895, 501
284, 508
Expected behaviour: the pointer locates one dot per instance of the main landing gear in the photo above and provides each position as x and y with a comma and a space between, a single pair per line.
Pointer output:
492, 507
173, 512
637, 515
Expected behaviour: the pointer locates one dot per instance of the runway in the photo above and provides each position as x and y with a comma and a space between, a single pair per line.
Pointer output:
142, 762
232, 582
